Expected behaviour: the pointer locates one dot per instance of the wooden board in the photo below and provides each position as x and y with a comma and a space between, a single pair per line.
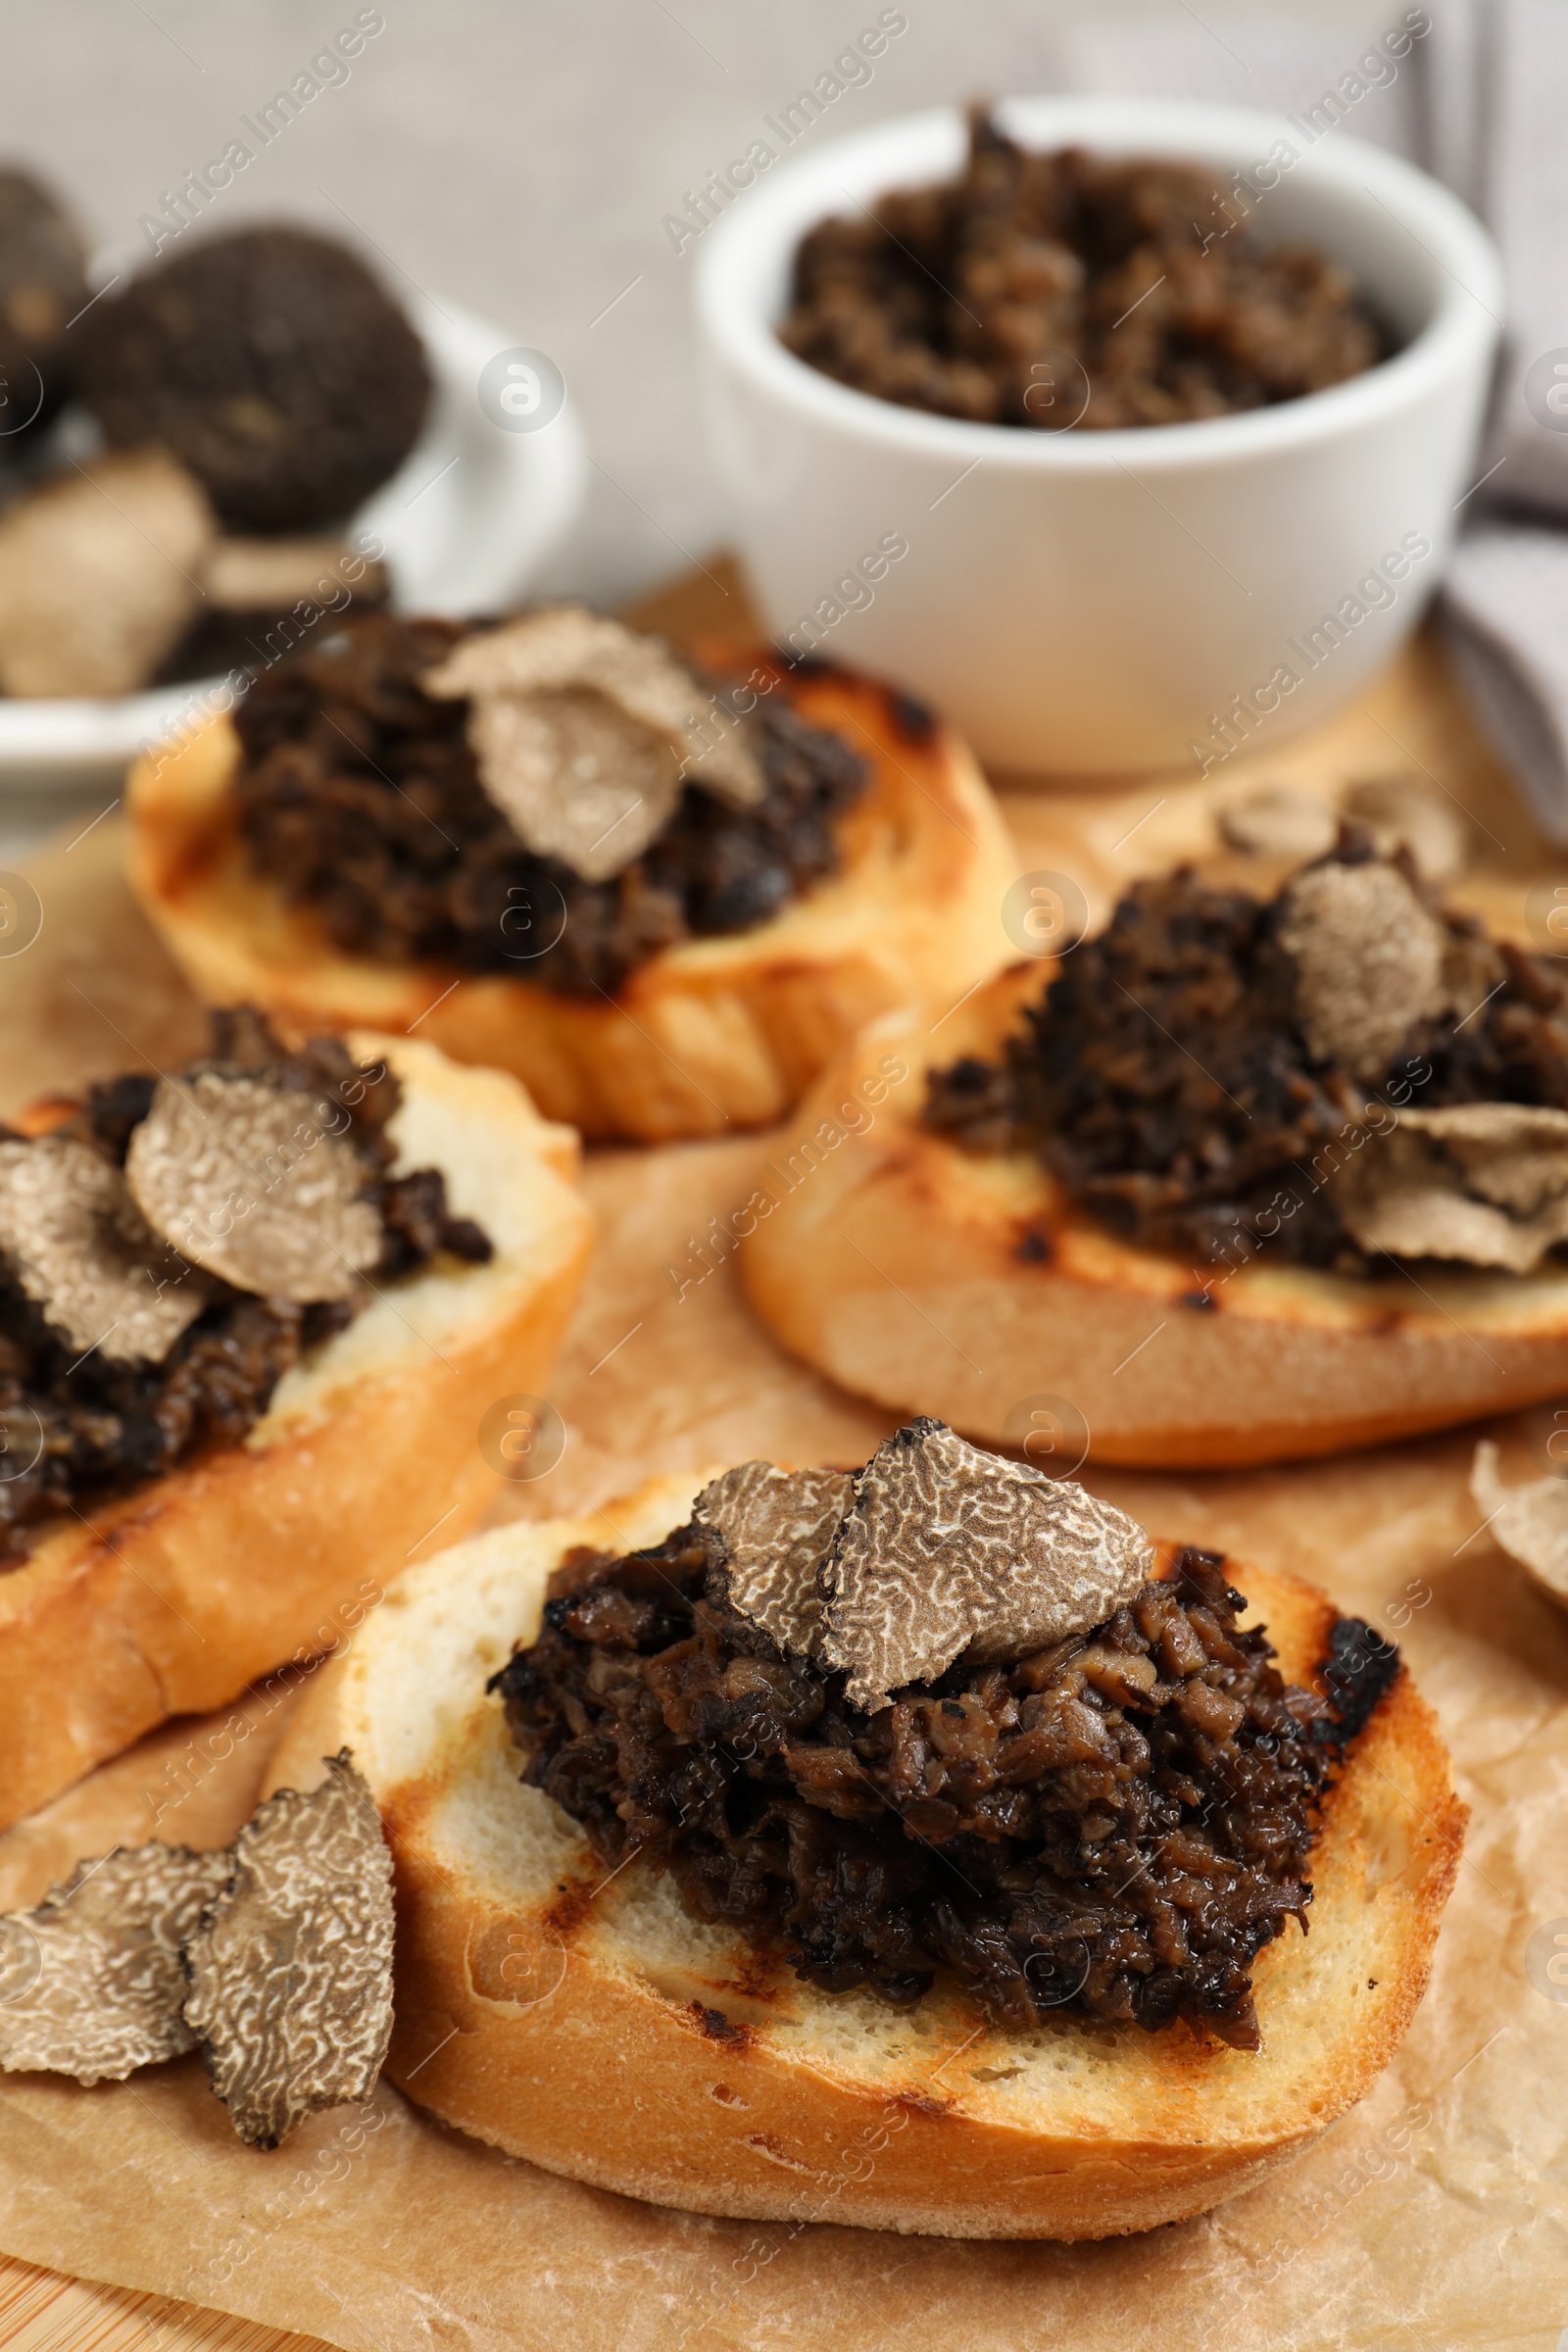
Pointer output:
42, 2312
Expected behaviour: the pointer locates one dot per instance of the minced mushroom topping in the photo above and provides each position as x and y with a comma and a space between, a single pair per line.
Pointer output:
121, 1357
1070, 291
1331, 1076
360, 795
1114, 1823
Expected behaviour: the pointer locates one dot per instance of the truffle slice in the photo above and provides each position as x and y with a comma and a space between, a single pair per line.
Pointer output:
776, 1528
949, 1551
1278, 821
255, 591
1486, 1182
92, 1983
1369, 962
1529, 1522
268, 576
1402, 815
99, 576
271, 364
291, 1972
584, 730
1515, 1153
245, 1179
83, 1254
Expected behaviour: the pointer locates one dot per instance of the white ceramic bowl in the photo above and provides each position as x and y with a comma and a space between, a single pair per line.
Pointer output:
467, 520
1095, 602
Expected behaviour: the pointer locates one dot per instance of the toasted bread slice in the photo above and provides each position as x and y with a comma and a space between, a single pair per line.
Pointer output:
171, 1600
711, 1034
587, 2022
967, 1284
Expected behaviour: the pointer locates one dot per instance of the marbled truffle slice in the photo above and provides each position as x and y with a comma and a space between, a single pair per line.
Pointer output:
291, 1975
949, 1551
776, 1528
90, 1979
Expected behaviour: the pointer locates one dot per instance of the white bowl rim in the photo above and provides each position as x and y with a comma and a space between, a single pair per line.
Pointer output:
1467, 313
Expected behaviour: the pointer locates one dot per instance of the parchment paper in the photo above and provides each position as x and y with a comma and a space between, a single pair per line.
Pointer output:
1435, 2215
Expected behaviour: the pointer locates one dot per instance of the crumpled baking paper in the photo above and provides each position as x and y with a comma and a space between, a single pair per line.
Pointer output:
1435, 2215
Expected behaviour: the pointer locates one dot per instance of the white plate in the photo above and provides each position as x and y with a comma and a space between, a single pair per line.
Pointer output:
467, 521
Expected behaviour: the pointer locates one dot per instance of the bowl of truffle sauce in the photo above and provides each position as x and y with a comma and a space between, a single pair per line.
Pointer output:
1132, 429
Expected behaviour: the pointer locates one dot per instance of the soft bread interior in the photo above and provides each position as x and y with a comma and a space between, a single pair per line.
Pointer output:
1332, 2005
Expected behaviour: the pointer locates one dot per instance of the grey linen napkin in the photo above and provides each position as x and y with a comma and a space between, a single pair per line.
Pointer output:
1506, 600
1480, 100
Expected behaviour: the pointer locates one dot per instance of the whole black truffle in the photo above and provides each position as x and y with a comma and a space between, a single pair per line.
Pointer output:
271, 364
42, 287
